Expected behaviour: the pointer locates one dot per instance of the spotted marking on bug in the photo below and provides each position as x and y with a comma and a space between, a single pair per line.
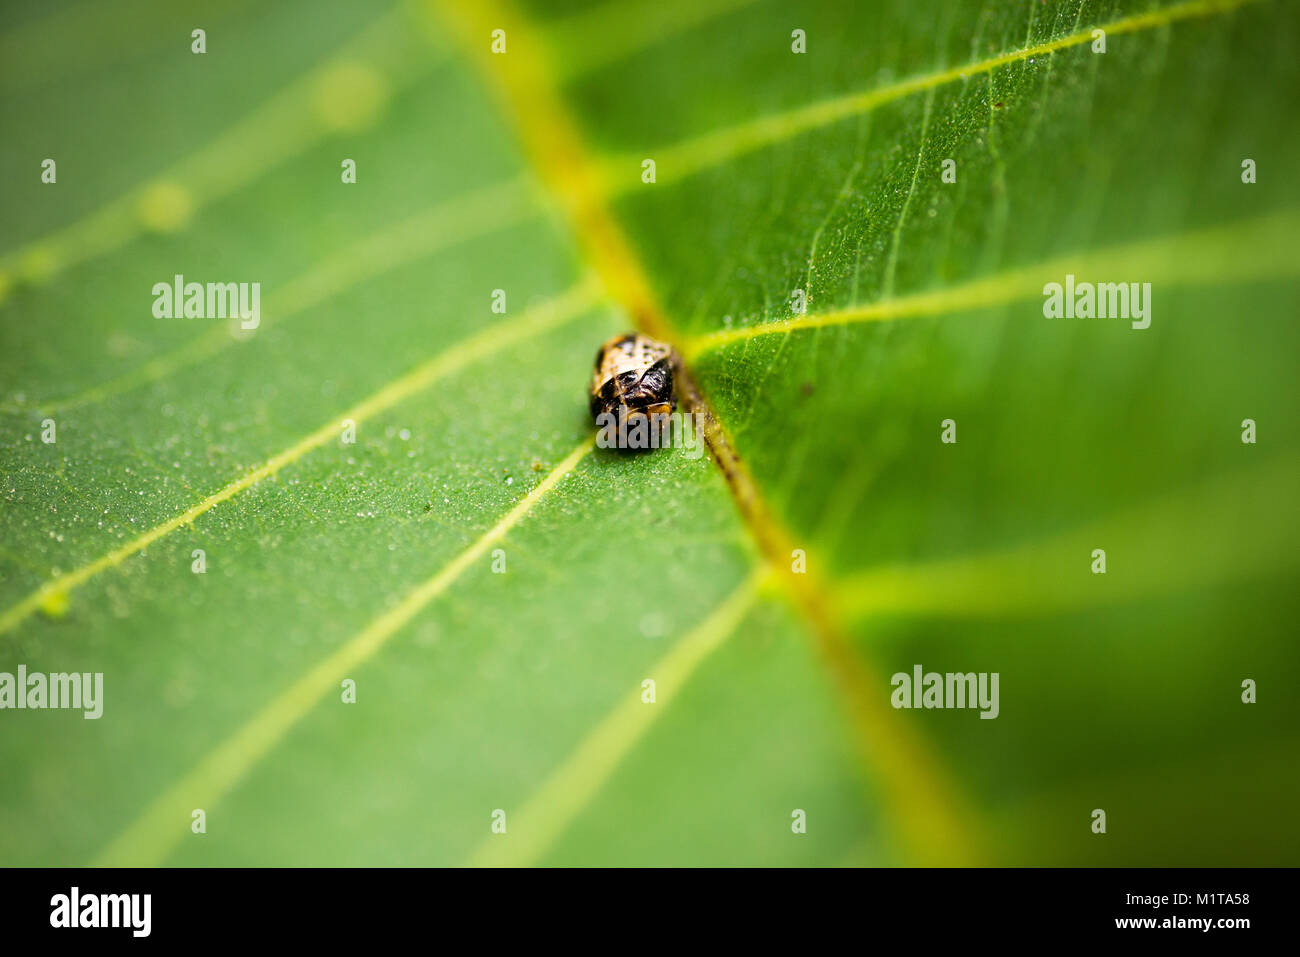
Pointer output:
634, 375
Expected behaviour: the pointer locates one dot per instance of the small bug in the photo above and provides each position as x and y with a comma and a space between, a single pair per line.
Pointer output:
634, 376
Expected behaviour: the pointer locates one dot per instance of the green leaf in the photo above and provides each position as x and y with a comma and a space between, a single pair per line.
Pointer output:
498, 589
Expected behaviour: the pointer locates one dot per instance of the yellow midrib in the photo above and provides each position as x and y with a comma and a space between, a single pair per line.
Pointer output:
612, 175
930, 818
923, 799
1206, 7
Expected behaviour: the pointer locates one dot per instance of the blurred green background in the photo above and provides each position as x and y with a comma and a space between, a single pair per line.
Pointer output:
522, 692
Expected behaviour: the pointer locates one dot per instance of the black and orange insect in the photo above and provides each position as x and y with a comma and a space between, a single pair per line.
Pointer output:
634, 376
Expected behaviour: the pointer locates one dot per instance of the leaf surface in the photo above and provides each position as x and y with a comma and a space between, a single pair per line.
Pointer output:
522, 691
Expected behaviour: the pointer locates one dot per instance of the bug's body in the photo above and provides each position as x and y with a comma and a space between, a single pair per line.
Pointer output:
634, 376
